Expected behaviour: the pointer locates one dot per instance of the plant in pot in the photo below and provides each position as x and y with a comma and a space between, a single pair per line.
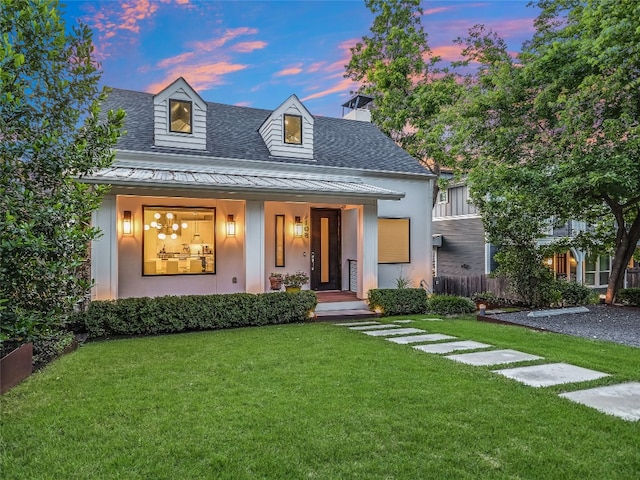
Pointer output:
293, 282
16, 349
276, 280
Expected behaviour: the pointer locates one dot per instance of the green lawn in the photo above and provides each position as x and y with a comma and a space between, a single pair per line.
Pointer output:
312, 401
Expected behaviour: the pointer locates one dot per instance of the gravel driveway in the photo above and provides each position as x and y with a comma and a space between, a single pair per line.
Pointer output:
603, 322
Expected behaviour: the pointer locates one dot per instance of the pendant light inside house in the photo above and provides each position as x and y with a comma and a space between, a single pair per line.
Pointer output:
196, 236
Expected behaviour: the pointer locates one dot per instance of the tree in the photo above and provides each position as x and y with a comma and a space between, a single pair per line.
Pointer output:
51, 137
396, 67
555, 133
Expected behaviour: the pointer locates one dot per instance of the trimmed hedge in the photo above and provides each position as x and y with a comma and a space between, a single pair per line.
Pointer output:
629, 296
450, 305
574, 294
398, 301
170, 314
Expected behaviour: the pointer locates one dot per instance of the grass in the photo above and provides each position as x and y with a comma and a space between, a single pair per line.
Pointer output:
312, 401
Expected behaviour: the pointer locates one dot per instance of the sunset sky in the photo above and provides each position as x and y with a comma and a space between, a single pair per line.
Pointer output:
257, 53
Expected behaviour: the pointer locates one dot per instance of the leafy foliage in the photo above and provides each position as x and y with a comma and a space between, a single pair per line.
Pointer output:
572, 293
556, 133
170, 314
398, 301
396, 66
450, 305
51, 137
630, 296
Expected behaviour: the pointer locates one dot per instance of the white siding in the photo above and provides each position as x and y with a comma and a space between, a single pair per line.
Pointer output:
273, 136
196, 140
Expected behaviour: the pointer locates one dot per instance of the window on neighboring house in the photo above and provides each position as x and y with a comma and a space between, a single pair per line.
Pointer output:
393, 240
178, 241
180, 120
443, 196
597, 269
293, 129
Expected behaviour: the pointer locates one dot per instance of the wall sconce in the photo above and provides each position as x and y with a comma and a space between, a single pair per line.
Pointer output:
297, 227
231, 226
127, 225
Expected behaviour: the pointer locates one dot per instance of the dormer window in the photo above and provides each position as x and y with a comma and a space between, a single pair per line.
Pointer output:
180, 120
293, 129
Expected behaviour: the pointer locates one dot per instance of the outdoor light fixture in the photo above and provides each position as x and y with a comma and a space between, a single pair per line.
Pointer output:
297, 227
231, 226
127, 226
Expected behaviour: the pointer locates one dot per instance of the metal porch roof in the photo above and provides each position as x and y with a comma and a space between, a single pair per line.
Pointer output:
255, 183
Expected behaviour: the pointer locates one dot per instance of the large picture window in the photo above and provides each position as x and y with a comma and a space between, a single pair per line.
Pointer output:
393, 240
178, 241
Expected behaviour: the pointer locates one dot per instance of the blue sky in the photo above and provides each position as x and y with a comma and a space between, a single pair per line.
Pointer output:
258, 53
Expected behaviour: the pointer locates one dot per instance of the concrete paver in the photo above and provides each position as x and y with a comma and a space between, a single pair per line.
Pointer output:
356, 324
622, 400
493, 357
393, 331
451, 346
550, 374
374, 327
429, 337
403, 321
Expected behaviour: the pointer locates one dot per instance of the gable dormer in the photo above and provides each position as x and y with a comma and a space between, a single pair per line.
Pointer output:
288, 131
180, 117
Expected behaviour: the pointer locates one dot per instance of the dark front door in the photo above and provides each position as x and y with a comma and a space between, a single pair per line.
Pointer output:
325, 249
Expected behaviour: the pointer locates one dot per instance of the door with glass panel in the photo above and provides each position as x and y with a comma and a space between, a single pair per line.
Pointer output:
325, 249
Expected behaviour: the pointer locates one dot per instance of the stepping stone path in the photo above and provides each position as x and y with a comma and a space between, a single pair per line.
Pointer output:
449, 347
392, 331
550, 374
493, 357
429, 337
621, 400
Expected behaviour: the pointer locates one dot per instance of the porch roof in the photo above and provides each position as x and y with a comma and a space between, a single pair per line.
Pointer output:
226, 182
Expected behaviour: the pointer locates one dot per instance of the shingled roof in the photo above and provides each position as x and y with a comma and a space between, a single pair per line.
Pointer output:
232, 132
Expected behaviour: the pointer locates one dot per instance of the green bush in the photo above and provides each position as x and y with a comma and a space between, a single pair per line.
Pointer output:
629, 296
398, 301
488, 298
170, 314
50, 346
450, 305
573, 293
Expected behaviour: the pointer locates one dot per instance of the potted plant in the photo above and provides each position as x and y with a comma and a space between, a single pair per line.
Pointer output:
293, 282
16, 351
276, 281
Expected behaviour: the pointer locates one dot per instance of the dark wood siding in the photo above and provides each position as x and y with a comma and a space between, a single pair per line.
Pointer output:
463, 243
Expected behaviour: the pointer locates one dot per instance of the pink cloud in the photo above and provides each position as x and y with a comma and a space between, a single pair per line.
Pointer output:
343, 86
433, 11
133, 13
200, 76
218, 42
288, 71
449, 53
243, 104
314, 67
247, 47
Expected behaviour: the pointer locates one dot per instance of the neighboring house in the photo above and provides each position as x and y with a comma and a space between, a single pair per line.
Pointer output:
212, 198
460, 247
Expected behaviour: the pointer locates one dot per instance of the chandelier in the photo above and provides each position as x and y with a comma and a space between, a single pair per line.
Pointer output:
166, 225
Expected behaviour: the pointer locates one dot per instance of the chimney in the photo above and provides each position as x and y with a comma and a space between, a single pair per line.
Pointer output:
358, 108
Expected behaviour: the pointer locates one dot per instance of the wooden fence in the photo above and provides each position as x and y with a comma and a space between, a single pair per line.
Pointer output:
633, 278
468, 285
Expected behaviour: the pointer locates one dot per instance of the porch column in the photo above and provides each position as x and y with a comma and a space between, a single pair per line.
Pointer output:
580, 257
254, 247
104, 251
367, 249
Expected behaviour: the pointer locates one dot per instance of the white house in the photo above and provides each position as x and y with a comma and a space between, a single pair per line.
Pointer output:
211, 198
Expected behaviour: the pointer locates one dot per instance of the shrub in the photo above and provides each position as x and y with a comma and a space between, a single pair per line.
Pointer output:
488, 298
450, 305
170, 314
629, 296
573, 293
50, 346
398, 301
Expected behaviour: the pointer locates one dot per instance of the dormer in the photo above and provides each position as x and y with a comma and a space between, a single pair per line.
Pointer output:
288, 131
180, 117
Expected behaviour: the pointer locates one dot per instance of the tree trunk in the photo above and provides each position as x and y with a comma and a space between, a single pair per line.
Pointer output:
621, 258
